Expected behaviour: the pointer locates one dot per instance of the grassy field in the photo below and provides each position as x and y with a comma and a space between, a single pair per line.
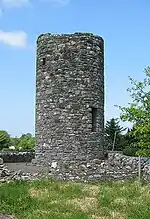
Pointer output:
63, 200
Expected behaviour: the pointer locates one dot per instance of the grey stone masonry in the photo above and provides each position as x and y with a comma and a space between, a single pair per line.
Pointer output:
69, 98
16, 156
115, 167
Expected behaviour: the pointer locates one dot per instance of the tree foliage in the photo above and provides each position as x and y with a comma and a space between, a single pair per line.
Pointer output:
14, 141
113, 134
4, 139
26, 141
130, 147
138, 112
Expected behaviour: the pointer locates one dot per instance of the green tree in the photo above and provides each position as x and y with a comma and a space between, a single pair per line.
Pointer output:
4, 139
15, 141
113, 134
130, 143
26, 136
26, 141
138, 112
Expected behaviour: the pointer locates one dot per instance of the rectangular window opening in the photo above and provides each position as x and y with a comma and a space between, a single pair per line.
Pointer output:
94, 119
43, 61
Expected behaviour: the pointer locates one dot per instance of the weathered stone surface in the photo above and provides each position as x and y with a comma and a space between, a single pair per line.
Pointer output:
1, 161
6, 175
16, 156
69, 83
6, 216
81, 171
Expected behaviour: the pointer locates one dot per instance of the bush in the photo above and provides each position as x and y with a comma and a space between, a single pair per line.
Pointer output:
7, 149
4, 139
130, 151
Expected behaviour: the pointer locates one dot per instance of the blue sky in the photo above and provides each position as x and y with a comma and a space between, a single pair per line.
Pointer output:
124, 25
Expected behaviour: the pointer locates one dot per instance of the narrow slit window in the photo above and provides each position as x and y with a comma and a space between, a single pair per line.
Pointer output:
43, 61
94, 119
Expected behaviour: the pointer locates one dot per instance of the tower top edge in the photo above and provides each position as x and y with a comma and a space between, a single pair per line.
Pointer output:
47, 36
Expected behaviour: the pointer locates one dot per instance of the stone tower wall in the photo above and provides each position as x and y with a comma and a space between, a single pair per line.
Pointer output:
69, 83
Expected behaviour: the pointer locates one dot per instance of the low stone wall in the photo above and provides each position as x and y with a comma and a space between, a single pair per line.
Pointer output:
115, 167
130, 164
17, 157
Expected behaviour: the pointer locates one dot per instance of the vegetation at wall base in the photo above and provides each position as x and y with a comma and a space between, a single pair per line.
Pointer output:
130, 151
49, 199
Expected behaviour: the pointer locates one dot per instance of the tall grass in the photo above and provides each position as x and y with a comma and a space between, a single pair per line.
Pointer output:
48, 199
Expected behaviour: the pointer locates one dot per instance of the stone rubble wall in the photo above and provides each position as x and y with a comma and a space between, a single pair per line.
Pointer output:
115, 167
7, 175
17, 157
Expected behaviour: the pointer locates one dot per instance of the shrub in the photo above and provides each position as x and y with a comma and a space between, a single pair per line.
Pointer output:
130, 151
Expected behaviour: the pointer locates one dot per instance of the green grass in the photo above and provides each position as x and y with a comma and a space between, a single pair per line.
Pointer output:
48, 199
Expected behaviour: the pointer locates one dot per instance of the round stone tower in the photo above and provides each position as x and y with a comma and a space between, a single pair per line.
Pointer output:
69, 98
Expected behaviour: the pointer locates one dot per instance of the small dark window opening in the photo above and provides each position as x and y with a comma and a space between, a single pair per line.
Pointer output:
43, 61
94, 119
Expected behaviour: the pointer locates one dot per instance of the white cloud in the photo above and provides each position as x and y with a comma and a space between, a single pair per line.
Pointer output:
15, 3
15, 38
